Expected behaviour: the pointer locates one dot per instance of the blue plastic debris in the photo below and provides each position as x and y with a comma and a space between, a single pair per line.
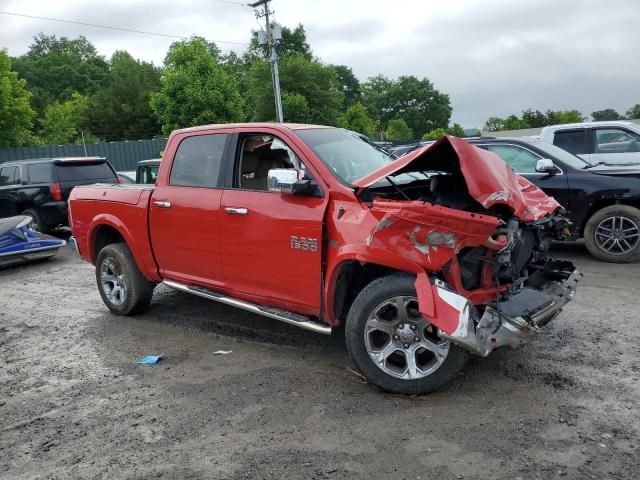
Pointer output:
150, 359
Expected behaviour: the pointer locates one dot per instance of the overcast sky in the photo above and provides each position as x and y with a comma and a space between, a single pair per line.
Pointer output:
493, 57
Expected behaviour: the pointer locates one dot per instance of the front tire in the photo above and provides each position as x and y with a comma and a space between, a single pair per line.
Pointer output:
393, 346
612, 234
123, 289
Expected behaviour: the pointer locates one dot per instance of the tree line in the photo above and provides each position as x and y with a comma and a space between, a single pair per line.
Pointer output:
63, 90
535, 118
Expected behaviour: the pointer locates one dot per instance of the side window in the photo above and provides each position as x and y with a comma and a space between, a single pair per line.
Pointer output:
260, 153
518, 158
572, 141
7, 176
616, 140
39, 173
197, 161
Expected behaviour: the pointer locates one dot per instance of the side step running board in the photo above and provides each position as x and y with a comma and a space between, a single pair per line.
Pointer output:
275, 313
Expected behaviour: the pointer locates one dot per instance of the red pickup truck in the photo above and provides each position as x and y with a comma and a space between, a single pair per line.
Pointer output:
423, 259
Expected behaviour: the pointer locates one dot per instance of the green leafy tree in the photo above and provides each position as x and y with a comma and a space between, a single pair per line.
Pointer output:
398, 130
196, 89
56, 68
456, 130
300, 78
357, 118
293, 42
63, 122
16, 115
533, 119
607, 114
434, 134
494, 124
121, 109
512, 122
349, 85
416, 101
564, 116
634, 112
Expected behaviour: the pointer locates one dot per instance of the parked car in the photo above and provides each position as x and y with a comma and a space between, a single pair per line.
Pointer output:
19, 244
40, 187
424, 258
602, 201
400, 150
127, 177
614, 142
147, 171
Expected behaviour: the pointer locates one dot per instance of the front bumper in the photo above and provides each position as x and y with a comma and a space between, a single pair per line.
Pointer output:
513, 322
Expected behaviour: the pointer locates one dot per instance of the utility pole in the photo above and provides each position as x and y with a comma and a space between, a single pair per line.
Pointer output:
273, 55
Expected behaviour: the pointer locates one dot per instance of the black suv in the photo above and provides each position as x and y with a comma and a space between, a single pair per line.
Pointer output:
602, 201
40, 187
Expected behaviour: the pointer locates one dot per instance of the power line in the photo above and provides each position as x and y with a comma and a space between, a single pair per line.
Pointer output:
122, 29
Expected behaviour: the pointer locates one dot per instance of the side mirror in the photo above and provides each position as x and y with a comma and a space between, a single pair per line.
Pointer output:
285, 180
545, 165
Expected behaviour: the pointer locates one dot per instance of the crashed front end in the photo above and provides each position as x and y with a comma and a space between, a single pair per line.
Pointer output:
482, 234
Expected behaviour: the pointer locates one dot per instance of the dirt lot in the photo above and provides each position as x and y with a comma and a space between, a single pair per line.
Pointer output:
283, 404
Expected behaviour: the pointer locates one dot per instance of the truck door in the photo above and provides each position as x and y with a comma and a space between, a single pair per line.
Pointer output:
184, 213
271, 241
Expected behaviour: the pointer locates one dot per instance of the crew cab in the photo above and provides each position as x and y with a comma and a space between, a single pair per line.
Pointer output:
40, 187
610, 142
422, 259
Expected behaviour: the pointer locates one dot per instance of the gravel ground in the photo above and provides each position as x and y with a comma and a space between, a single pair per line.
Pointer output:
285, 404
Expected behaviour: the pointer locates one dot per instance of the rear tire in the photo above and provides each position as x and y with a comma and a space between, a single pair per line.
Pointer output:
385, 329
612, 234
123, 289
37, 224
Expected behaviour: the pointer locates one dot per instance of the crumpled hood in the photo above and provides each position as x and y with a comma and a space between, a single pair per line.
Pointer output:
489, 179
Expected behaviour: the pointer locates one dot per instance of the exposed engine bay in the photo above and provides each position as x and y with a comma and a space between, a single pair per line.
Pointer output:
502, 288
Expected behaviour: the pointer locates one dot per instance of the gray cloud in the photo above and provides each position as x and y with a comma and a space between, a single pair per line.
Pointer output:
493, 57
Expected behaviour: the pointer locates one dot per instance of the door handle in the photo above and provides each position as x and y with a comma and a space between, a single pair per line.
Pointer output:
162, 204
236, 211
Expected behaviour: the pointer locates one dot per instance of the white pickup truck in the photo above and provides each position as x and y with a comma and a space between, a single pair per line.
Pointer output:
614, 142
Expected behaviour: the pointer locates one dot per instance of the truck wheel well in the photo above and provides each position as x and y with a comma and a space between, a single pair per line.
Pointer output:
105, 235
607, 202
352, 277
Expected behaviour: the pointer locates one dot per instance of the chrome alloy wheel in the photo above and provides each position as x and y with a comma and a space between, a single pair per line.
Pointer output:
617, 235
401, 343
112, 279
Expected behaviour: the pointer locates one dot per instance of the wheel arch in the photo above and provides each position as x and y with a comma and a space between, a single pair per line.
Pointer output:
603, 202
356, 266
107, 229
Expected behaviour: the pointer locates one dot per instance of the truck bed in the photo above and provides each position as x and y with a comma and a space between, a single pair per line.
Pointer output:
123, 207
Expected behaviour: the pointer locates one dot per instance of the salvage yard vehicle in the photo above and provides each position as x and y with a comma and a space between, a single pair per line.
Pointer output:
615, 142
40, 187
19, 244
147, 171
602, 201
423, 259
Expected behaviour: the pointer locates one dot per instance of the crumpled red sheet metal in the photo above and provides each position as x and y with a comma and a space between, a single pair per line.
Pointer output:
489, 179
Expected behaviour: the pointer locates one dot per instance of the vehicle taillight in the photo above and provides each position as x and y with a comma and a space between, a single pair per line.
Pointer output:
56, 192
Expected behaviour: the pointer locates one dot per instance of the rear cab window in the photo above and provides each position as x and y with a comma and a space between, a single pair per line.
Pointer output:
616, 140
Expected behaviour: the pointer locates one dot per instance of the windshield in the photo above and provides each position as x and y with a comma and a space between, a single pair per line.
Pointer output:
345, 153
568, 158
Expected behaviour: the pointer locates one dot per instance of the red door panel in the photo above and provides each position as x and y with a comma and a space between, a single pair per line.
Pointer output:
186, 236
274, 250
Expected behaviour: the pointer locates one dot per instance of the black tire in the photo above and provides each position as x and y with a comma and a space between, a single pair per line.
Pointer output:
116, 262
371, 297
39, 225
594, 241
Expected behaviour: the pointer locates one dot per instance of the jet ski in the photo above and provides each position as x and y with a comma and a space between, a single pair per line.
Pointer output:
20, 244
